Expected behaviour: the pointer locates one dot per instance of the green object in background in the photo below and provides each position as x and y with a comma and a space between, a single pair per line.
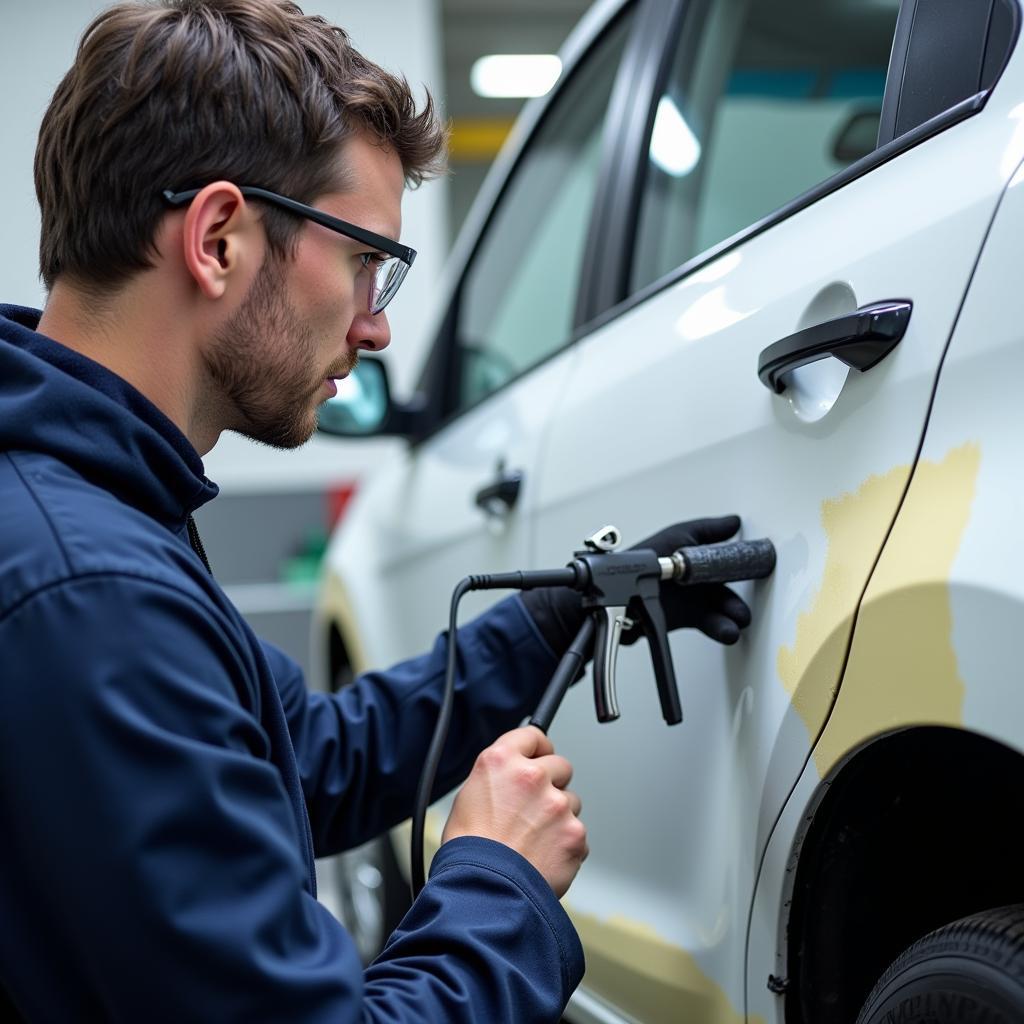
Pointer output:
304, 565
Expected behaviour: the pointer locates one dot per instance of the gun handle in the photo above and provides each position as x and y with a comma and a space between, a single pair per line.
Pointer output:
652, 618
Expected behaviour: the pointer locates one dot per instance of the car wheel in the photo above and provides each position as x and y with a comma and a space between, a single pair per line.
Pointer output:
968, 972
373, 895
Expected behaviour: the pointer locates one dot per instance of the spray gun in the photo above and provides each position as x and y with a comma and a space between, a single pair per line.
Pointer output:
609, 582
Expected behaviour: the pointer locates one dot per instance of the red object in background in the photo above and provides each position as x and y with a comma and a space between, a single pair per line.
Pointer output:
338, 498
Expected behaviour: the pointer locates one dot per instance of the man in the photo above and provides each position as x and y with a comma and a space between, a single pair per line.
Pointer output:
220, 184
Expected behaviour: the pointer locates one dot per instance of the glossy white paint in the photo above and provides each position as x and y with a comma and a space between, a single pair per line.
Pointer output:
979, 389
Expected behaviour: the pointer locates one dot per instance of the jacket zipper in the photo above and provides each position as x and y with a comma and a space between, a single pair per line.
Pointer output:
196, 543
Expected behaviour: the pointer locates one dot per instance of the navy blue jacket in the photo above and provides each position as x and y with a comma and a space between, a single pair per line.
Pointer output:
166, 780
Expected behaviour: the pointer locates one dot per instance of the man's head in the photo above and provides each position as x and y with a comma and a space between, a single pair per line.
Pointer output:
216, 95
174, 94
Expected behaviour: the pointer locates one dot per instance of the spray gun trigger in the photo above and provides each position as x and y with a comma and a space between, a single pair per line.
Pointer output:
610, 622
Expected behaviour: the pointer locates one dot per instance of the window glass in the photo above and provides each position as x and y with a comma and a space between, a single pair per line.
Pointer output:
519, 294
769, 98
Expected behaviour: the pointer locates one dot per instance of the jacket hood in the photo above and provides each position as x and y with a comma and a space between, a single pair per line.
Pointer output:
56, 401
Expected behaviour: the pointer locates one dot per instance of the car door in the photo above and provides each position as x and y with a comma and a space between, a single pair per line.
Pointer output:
761, 207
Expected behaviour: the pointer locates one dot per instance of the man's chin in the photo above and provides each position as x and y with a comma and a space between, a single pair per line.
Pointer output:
287, 438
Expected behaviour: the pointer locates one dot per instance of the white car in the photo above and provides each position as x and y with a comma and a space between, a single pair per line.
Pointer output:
762, 257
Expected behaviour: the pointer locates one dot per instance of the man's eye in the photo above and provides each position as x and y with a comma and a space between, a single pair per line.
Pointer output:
366, 258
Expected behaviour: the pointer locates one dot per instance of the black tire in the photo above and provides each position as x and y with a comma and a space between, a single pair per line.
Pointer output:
968, 972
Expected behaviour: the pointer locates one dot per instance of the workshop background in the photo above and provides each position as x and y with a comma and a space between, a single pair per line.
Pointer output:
267, 530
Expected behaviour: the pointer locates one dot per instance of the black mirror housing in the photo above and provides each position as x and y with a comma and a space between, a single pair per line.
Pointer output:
364, 406
857, 137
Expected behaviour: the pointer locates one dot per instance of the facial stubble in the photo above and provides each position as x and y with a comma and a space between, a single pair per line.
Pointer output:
264, 364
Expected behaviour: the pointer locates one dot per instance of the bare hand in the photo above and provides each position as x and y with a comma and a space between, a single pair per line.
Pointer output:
516, 795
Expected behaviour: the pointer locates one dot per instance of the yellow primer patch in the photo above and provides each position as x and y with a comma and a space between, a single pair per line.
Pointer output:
855, 525
903, 669
638, 971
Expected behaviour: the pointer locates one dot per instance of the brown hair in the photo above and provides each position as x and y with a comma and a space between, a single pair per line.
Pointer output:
178, 93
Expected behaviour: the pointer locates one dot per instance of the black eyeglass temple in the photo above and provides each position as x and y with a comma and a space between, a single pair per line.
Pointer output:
388, 245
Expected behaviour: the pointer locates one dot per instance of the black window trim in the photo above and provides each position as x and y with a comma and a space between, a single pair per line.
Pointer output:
897, 72
604, 278
895, 84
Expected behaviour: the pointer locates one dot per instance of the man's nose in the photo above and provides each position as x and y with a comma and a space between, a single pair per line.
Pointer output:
370, 332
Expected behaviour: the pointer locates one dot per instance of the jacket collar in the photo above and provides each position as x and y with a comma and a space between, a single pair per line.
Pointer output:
56, 401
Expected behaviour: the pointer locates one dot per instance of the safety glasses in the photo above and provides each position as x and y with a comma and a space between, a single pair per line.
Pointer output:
389, 263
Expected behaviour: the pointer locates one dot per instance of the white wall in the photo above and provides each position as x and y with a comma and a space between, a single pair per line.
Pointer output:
37, 44
38, 39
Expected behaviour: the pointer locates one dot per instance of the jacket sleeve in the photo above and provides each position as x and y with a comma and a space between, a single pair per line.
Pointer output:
158, 865
360, 751
487, 907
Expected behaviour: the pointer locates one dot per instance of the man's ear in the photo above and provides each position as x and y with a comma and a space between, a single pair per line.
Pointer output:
220, 238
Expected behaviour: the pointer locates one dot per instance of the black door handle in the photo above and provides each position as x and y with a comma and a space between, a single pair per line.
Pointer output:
860, 339
500, 497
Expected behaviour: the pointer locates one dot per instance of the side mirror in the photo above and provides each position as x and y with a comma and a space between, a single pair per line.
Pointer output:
856, 137
363, 406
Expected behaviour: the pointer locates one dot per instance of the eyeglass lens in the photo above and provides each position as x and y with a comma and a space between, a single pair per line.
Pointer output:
387, 278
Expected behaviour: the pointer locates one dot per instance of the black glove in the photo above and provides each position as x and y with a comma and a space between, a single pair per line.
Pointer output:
711, 607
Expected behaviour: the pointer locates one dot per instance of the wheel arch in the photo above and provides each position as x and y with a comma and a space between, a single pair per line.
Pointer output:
914, 829
339, 643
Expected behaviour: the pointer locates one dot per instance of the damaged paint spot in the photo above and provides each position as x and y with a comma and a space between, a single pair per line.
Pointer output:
903, 667
638, 971
855, 525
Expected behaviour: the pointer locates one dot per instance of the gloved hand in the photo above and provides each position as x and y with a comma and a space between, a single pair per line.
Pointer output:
712, 608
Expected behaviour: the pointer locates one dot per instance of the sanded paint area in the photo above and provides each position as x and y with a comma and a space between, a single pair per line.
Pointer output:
633, 967
855, 525
903, 667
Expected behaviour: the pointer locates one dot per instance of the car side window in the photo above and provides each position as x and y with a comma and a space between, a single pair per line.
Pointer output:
519, 294
763, 102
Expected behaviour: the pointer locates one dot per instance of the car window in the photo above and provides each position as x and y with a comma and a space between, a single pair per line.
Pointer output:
765, 99
519, 295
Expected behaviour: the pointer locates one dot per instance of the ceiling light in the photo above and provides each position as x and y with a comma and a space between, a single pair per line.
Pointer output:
515, 74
